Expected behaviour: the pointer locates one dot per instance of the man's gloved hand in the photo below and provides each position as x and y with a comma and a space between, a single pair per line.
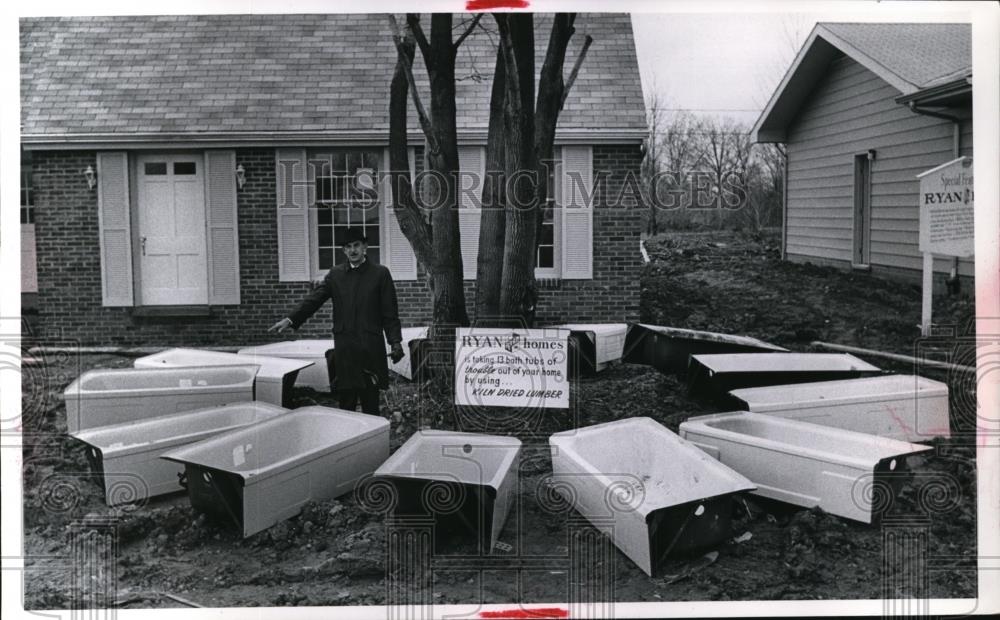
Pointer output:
396, 353
280, 326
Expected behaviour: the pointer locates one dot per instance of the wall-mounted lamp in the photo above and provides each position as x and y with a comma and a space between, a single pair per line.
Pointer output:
91, 177
871, 154
241, 176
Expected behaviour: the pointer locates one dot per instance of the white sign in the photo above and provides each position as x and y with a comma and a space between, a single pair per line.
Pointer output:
522, 368
946, 209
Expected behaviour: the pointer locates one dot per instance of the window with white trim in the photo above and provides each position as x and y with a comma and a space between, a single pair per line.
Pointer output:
27, 195
547, 258
346, 195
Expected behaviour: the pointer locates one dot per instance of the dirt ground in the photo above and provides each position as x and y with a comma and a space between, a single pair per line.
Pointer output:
335, 552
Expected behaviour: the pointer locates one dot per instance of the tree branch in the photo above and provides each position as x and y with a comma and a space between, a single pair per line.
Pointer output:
407, 67
468, 30
413, 21
576, 69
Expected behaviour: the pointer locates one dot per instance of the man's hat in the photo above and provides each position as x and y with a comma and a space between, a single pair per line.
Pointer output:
355, 234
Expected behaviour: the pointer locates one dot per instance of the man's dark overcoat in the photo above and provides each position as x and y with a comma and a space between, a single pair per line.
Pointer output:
364, 307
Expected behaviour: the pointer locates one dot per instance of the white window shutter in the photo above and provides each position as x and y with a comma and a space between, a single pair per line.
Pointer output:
223, 236
577, 221
471, 162
293, 209
114, 222
397, 253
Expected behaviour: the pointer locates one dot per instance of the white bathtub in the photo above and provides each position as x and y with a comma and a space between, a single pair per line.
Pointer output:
669, 349
122, 395
413, 338
904, 407
316, 376
719, 373
273, 382
127, 456
468, 477
599, 343
843, 472
653, 493
262, 474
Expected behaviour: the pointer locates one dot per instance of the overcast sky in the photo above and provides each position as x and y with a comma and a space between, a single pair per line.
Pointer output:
728, 64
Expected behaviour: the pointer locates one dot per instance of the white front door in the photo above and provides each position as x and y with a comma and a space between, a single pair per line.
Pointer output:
173, 256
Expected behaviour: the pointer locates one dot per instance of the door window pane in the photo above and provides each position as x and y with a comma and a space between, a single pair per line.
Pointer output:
155, 168
185, 167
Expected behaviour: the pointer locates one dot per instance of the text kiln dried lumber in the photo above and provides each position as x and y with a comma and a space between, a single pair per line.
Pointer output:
596, 344
461, 480
274, 380
848, 474
126, 457
717, 374
652, 492
904, 407
122, 395
262, 474
318, 352
668, 349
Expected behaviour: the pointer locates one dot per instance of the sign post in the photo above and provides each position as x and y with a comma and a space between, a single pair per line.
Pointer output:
946, 222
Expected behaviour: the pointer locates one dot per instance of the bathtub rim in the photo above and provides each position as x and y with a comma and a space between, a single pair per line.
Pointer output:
120, 450
499, 442
271, 369
704, 360
740, 483
935, 389
250, 477
700, 425
74, 392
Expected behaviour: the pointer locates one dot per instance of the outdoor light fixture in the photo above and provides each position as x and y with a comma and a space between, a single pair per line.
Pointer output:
91, 177
240, 176
871, 154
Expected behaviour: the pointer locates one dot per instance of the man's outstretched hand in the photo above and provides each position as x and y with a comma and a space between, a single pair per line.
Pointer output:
280, 326
396, 353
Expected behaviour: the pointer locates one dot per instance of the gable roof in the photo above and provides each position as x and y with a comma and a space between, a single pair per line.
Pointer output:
268, 78
910, 57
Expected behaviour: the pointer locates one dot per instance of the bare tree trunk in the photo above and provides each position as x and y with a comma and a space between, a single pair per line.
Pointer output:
489, 268
411, 221
517, 288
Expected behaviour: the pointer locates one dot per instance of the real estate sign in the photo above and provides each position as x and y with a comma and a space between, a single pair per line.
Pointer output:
522, 368
946, 209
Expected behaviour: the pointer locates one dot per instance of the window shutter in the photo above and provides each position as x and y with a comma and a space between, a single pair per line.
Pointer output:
397, 253
471, 161
223, 236
577, 208
114, 222
293, 209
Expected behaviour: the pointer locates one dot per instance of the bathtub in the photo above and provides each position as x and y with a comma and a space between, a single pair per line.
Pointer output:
274, 380
126, 457
598, 344
652, 492
849, 474
414, 341
668, 349
464, 481
262, 474
720, 373
904, 407
316, 376
122, 395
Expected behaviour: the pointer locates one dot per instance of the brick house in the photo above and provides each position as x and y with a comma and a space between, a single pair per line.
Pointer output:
152, 149
862, 111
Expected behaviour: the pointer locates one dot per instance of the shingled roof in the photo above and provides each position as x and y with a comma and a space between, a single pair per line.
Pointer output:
912, 58
278, 76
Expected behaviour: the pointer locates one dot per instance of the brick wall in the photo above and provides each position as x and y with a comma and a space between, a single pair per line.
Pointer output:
69, 298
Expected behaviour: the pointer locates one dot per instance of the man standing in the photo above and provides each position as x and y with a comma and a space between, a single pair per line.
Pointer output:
364, 307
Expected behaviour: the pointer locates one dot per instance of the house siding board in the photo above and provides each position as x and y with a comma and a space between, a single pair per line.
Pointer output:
849, 112
70, 277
